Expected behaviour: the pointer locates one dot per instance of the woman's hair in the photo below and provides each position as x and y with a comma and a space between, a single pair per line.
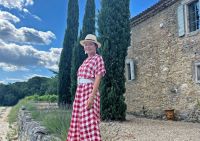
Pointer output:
96, 45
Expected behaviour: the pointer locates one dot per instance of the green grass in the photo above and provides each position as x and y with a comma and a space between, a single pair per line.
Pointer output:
12, 117
56, 121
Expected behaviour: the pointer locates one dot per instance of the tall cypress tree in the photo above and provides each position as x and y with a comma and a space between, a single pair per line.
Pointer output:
114, 33
87, 28
74, 68
70, 38
88, 25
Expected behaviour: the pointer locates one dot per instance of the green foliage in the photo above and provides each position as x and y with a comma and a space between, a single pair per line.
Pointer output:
78, 52
114, 34
88, 26
52, 85
56, 121
70, 39
12, 117
74, 69
44, 98
10, 94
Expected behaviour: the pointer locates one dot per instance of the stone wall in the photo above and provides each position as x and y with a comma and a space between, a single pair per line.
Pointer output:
30, 130
164, 64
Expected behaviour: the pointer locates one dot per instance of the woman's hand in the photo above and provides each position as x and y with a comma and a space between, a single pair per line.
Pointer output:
90, 102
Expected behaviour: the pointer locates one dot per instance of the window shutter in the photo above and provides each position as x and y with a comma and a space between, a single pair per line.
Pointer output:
132, 70
181, 22
199, 13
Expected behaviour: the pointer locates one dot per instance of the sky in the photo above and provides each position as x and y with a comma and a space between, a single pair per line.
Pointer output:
32, 33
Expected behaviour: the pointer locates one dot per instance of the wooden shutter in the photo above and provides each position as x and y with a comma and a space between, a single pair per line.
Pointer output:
181, 20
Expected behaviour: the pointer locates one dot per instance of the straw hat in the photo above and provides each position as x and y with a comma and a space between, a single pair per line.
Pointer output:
92, 38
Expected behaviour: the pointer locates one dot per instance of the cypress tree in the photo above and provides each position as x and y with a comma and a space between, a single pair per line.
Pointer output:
114, 33
74, 68
88, 26
70, 38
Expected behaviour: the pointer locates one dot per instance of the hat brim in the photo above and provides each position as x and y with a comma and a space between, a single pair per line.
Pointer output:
82, 42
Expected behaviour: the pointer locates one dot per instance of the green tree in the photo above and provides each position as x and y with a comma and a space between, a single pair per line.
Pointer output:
52, 85
114, 33
78, 51
74, 68
88, 26
70, 38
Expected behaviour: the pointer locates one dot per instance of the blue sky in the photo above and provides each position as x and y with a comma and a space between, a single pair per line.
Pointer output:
32, 32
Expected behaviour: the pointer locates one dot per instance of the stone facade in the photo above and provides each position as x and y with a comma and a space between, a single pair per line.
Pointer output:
164, 65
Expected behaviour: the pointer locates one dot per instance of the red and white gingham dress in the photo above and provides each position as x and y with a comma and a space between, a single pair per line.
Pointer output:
85, 122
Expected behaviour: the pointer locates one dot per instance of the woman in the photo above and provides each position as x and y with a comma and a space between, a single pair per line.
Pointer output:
86, 107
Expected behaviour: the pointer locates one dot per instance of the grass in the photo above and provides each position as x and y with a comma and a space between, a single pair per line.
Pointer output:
57, 121
12, 117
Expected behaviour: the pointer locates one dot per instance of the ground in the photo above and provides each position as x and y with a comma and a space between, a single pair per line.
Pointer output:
134, 129
141, 129
4, 126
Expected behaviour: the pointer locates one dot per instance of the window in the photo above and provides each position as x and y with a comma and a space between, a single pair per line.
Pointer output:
193, 12
188, 14
197, 72
130, 73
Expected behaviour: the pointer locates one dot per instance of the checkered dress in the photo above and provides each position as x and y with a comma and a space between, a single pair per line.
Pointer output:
85, 122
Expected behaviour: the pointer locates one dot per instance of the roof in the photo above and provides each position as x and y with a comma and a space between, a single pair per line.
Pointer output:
153, 10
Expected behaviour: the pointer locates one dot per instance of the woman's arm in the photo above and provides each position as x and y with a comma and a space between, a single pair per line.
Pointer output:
94, 91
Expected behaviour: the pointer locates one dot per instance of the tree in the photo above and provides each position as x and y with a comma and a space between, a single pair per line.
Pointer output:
78, 51
114, 33
70, 38
88, 26
52, 85
74, 68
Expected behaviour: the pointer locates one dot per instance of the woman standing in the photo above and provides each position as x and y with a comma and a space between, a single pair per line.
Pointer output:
86, 107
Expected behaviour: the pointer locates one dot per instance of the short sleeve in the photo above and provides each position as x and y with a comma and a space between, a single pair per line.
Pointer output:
100, 67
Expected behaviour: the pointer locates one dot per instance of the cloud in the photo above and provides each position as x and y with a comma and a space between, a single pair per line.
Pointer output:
9, 33
21, 79
2, 82
15, 57
4, 15
37, 17
10, 67
19, 5
16, 4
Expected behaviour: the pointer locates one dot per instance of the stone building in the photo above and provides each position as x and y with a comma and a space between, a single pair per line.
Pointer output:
163, 61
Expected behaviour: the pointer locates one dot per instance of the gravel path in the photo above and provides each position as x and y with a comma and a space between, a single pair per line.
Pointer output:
141, 129
4, 111
134, 129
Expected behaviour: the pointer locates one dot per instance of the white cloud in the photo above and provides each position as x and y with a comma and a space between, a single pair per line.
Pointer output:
4, 15
15, 80
16, 4
9, 33
20, 5
15, 57
10, 67
2, 82
37, 17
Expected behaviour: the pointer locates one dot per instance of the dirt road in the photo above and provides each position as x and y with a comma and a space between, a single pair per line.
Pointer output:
4, 125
